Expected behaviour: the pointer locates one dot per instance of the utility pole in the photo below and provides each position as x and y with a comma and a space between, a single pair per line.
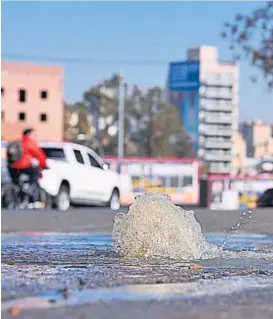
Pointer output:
121, 98
153, 103
97, 102
150, 130
94, 104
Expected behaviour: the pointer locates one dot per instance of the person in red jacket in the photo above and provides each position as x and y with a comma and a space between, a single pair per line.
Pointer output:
31, 152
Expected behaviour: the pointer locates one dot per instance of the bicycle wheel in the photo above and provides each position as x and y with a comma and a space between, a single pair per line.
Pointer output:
10, 197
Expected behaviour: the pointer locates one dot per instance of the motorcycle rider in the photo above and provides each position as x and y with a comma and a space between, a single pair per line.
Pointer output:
21, 157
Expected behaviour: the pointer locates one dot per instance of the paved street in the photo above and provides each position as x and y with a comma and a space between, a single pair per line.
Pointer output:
29, 270
255, 304
101, 220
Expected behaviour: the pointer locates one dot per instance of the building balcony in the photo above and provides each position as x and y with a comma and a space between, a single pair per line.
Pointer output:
217, 95
218, 82
208, 131
219, 169
221, 119
216, 107
218, 144
224, 157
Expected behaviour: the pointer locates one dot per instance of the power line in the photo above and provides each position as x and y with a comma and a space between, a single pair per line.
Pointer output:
84, 60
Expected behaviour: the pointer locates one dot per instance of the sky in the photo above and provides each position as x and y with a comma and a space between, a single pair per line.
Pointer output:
122, 31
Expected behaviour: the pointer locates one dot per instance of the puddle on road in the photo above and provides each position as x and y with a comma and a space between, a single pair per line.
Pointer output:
34, 263
89, 242
64, 241
201, 288
85, 249
239, 242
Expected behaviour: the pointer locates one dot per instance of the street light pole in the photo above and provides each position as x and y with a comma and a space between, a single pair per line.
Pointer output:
97, 115
121, 98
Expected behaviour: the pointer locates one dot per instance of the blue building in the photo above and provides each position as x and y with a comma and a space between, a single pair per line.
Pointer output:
206, 93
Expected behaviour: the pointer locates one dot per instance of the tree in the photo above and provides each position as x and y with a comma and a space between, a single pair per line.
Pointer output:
141, 108
152, 127
170, 137
76, 121
251, 37
101, 102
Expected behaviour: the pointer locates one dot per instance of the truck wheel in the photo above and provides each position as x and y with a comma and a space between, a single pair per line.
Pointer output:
114, 202
62, 199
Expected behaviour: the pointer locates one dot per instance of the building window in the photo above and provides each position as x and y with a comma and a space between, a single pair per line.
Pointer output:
2, 115
22, 95
2, 91
43, 95
43, 117
22, 116
187, 180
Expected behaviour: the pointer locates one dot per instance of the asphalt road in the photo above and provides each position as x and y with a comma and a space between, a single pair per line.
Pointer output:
101, 220
101, 270
255, 304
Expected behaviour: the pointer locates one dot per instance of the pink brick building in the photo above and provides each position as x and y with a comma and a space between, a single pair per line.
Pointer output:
32, 96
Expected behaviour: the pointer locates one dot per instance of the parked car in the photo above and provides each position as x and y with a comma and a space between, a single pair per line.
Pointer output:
266, 199
78, 175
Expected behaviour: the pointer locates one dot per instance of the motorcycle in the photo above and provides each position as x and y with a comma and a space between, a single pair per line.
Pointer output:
25, 194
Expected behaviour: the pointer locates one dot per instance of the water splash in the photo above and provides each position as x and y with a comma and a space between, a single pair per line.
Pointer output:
243, 219
154, 226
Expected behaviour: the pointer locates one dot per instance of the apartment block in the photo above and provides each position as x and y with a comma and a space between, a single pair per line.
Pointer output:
258, 137
32, 96
206, 92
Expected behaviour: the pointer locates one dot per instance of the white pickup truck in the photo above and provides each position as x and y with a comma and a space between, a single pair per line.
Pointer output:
78, 175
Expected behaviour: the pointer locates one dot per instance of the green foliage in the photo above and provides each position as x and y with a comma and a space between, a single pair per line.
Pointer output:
251, 37
170, 137
152, 127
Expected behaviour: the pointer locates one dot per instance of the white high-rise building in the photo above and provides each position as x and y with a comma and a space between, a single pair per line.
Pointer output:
208, 99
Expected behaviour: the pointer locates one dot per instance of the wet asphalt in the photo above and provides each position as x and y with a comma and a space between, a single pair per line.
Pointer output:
31, 272
252, 304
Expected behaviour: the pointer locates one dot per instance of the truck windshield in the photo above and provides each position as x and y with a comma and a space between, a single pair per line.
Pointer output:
54, 153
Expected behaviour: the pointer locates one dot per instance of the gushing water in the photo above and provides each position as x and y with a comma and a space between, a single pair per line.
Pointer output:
154, 226
243, 219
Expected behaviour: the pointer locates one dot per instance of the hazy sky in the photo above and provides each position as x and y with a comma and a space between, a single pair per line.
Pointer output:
120, 31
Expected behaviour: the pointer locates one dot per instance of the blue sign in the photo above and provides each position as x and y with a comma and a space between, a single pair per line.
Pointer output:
190, 115
184, 76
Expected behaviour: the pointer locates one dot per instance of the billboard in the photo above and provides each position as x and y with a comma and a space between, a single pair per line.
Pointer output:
184, 76
190, 115
184, 81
